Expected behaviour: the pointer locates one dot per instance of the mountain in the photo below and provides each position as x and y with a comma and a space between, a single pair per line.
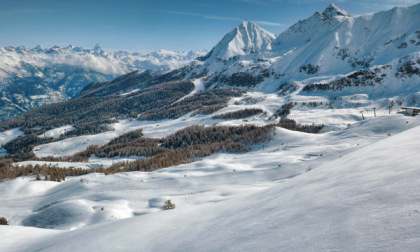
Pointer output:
330, 47
293, 142
34, 77
323, 58
305, 31
331, 58
331, 43
247, 38
338, 43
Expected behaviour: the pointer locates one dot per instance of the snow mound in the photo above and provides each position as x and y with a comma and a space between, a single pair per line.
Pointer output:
73, 214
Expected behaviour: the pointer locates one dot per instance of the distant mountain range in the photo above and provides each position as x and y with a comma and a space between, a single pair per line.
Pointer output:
333, 58
33, 77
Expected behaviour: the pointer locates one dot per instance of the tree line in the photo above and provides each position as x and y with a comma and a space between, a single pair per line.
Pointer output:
244, 113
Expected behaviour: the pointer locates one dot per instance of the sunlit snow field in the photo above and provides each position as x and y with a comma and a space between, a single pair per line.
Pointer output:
335, 190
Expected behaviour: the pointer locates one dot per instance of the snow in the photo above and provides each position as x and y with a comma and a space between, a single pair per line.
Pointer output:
9, 135
151, 129
353, 189
57, 132
333, 40
94, 162
344, 113
198, 86
130, 92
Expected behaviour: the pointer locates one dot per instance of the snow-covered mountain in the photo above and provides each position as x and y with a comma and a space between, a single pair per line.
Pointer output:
247, 38
330, 43
338, 43
328, 46
33, 77
294, 142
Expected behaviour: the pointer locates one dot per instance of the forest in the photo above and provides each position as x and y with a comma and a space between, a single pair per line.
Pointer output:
184, 146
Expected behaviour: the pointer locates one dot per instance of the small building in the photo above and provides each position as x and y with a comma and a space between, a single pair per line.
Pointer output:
411, 110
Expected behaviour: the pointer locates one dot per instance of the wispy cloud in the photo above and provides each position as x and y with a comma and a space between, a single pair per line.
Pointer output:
201, 15
269, 23
220, 17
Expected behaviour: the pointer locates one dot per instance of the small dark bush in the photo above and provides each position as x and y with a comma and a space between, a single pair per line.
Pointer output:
168, 205
3, 221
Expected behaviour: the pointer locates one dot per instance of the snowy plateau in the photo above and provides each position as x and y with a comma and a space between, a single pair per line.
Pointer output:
288, 142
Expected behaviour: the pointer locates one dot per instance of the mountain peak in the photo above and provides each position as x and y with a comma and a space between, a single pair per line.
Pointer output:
249, 25
97, 48
334, 11
38, 48
246, 38
246, 22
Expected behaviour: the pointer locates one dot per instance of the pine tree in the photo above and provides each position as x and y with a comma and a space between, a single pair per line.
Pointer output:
168, 205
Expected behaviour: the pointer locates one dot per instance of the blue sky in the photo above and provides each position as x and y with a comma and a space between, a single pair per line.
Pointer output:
145, 26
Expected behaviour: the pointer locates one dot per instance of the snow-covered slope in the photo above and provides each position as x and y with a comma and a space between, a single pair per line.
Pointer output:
361, 194
33, 77
303, 31
337, 42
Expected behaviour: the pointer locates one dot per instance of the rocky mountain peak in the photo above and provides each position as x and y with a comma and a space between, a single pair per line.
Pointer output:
333, 11
246, 38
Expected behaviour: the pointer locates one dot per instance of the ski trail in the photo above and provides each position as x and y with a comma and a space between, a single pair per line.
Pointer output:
199, 86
